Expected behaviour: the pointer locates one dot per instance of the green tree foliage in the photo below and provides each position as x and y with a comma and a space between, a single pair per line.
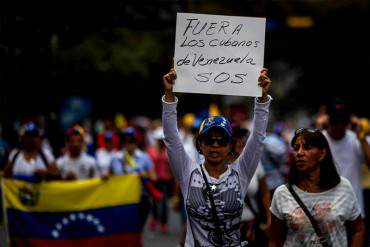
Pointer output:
119, 51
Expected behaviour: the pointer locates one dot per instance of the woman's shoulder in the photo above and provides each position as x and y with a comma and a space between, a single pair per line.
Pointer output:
281, 190
13, 152
344, 183
344, 187
48, 154
62, 159
87, 158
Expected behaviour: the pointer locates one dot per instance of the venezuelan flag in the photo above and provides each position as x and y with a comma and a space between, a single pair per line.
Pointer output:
79, 213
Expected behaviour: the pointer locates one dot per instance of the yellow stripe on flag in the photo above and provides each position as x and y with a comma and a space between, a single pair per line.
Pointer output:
62, 196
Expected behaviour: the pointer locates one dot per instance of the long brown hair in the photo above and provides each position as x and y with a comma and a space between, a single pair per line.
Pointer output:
329, 176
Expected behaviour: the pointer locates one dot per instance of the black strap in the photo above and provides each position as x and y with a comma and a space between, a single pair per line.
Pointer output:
323, 240
43, 158
213, 206
14, 158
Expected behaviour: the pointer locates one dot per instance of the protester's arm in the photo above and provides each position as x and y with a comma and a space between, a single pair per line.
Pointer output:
363, 139
168, 82
264, 82
252, 151
41, 174
278, 232
152, 175
266, 201
366, 150
53, 171
8, 170
70, 176
356, 232
179, 160
175, 199
150, 169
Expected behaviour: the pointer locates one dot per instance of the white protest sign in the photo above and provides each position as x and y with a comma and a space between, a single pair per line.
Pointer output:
217, 54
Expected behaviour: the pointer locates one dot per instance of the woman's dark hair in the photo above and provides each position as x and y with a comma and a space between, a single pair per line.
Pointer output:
238, 133
329, 176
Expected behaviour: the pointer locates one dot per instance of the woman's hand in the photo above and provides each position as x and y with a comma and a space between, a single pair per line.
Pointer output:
264, 82
71, 176
168, 82
175, 202
41, 173
105, 176
265, 227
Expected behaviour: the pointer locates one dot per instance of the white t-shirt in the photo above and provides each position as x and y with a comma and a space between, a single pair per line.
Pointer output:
331, 209
23, 167
82, 166
348, 156
253, 188
104, 159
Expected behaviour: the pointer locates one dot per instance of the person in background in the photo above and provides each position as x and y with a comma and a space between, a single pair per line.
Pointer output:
350, 149
4, 151
106, 153
76, 164
274, 158
164, 183
101, 128
88, 137
329, 198
187, 133
362, 127
255, 220
30, 162
133, 160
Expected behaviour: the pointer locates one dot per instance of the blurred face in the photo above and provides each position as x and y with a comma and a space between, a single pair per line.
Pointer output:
337, 130
31, 142
307, 157
75, 145
108, 144
130, 145
215, 146
239, 145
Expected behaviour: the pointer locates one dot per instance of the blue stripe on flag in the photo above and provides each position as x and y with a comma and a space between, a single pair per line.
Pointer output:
96, 222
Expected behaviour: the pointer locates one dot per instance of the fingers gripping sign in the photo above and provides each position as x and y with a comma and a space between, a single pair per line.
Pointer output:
264, 82
168, 82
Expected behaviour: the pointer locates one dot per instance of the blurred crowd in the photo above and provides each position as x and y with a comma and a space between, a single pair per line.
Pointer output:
120, 146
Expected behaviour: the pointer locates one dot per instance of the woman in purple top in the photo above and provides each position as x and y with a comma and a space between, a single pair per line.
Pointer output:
217, 225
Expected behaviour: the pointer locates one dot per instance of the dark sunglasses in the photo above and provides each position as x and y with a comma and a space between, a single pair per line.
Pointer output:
221, 140
301, 130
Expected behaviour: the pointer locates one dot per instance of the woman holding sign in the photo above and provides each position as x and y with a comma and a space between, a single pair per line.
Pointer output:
214, 191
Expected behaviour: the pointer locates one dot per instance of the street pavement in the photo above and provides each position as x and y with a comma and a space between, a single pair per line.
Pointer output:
158, 239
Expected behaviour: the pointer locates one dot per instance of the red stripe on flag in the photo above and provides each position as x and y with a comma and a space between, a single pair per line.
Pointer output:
119, 240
